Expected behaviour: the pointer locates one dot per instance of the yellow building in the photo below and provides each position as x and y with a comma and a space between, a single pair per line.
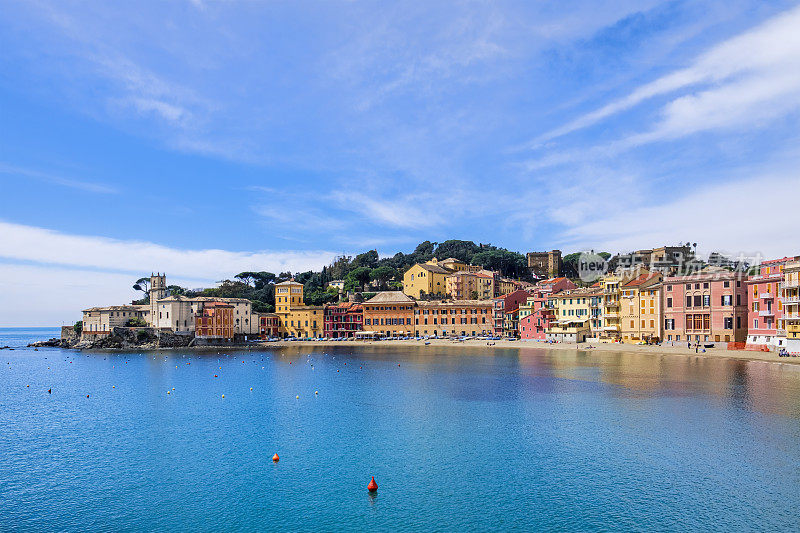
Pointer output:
571, 312
791, 305
425, 278
640, 309
610, 287
296, 319
573, 303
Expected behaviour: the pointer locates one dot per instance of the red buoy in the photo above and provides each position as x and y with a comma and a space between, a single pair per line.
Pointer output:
372, 487
275, 458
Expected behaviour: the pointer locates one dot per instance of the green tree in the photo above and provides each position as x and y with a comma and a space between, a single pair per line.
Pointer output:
367, 259
135, 322
358, 277
246, 277
383, 274
142, 284
78, 327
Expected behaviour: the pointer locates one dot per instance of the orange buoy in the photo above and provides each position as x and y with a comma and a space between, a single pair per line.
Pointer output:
275, 458
372, 487
49, 391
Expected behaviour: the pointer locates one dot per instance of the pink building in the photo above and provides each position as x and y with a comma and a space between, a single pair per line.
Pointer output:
504, 311
709, 306
535, 316
764, 306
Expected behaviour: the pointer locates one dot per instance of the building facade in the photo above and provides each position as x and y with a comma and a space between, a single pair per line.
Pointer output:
99, 321
765, 323
453, 318
709, 306
343, 320
425, 278
505, 313
295, 317
478, 285
269, 325
791, 305
389, 314
641, 317
535, 315
545, 265
213, 321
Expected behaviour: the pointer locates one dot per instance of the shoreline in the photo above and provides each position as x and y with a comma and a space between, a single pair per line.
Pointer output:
712, 353
676, 350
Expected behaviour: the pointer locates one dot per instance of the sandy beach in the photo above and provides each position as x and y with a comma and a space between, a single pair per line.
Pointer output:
679, 349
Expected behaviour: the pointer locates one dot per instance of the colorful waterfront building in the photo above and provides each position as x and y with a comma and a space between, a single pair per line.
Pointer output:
389, 314
610, 310
343, 320
572, 311
505, 313
640, 308
791, 305
595, 294
269, 325
296, 318
765, 324
708, 306
214, 321
535, 315
453, 318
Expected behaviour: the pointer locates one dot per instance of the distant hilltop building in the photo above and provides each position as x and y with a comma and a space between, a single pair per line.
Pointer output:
666, 260
545, 265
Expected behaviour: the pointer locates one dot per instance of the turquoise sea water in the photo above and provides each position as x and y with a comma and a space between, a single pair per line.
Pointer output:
457, 439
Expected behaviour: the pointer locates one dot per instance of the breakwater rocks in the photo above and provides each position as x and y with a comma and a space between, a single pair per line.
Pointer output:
120, 338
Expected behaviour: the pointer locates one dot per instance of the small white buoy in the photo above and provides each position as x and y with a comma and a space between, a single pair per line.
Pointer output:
316, 392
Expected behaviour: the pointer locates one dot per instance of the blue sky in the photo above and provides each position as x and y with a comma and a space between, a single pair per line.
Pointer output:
204, 138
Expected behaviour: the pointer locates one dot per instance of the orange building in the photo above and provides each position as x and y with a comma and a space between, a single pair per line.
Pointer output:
389, 314
214, 320
454, 318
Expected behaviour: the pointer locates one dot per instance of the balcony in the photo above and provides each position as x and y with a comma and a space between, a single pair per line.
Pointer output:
791, 299
791, 284
767, 312
765, 296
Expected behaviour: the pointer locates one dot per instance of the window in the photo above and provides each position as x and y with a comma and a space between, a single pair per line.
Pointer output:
738, 322
728, 322
669, 302
706, 300
698, 300
669, 288
688, 301
726, 284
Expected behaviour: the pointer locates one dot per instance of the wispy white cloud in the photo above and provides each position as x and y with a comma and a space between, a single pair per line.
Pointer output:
39, 245
718, 216
87, 186
762, 63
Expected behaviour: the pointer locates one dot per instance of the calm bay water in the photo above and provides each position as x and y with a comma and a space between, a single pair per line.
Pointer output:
457, 439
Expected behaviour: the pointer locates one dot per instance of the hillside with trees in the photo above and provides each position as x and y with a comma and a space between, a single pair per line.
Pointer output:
358, 273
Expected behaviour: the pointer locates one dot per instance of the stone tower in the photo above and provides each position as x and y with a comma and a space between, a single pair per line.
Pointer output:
158, 290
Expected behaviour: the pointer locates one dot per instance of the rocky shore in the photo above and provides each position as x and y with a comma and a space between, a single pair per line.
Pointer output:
120, 338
